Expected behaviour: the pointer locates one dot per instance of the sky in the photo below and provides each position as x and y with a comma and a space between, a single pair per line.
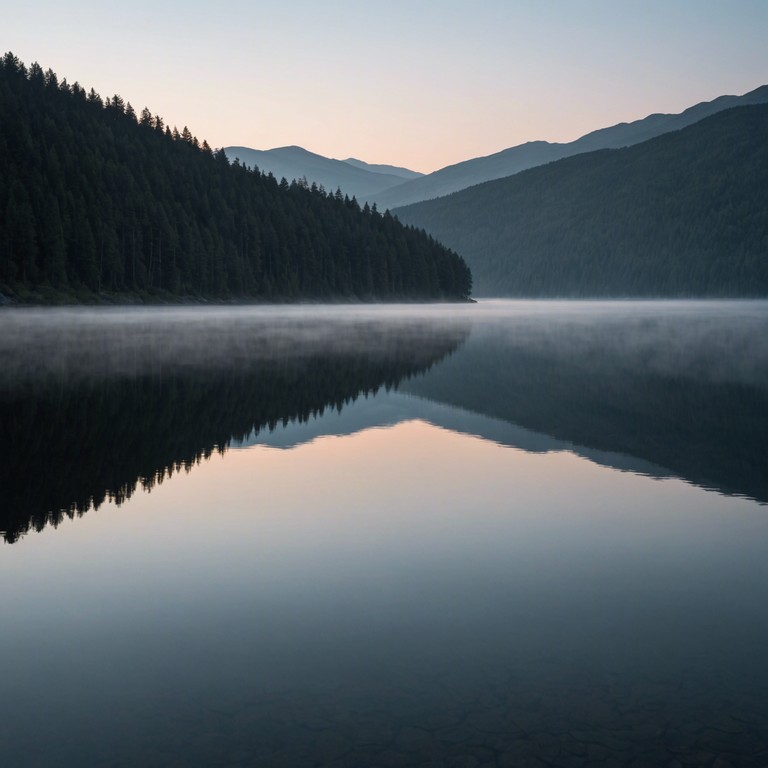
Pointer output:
417, 83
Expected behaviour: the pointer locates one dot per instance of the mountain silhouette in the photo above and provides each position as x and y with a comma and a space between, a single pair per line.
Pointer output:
355, 178
515, 159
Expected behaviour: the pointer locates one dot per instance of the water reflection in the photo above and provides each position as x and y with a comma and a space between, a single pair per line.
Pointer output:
667, 388
407, 595
96, 404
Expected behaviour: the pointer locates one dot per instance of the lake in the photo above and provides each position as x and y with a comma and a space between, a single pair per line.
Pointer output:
503, 534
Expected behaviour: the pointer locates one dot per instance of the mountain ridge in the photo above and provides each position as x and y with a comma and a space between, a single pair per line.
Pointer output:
395, 170
391, 186
295, 162
512, 160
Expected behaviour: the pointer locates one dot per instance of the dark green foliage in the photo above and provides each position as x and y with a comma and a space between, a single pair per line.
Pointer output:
684, 214
94, 200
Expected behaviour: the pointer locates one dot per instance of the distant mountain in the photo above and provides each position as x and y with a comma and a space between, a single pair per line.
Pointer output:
394, 170
684, 214
96, 200
296, 163
524, 156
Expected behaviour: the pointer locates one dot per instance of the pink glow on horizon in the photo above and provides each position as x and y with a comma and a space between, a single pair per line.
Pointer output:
420, 85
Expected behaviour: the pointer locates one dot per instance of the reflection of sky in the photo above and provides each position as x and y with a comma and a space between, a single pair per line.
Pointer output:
348, 556
362, 555
362, 507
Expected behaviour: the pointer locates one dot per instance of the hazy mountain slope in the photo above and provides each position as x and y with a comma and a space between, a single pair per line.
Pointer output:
296, 162
682, 214
470, 172
395, 170
519, 158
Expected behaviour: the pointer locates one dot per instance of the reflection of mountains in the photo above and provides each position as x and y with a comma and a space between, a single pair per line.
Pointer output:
85, 437
684, 393
392, 408
689, 396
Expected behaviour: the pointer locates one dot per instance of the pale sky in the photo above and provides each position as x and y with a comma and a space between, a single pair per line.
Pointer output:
422, 84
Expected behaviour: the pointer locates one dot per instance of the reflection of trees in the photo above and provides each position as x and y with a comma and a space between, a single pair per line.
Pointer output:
72, 447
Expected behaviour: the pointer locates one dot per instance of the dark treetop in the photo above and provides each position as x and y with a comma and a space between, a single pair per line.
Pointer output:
684, 214
96, 199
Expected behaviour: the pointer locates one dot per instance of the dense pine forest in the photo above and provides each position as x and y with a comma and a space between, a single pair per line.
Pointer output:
97, 201
684, 214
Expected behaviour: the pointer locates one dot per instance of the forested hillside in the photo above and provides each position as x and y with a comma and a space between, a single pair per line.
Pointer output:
684, 214
97, 200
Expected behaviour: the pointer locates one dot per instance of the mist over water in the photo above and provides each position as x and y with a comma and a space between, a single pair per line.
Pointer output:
712, 340
87, 344
717, 340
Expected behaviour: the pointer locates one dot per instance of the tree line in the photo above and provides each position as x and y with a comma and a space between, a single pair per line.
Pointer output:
97, 199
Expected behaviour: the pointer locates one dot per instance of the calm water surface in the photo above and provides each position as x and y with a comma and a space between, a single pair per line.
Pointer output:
508, 534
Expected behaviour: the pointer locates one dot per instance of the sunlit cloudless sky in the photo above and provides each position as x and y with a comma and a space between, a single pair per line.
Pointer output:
417, 83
